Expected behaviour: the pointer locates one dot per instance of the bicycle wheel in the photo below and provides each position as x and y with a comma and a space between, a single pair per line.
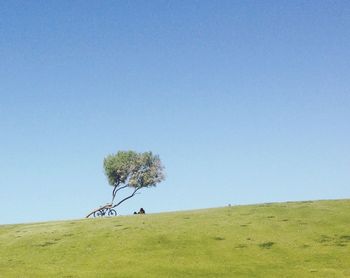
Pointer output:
98, 213
112, 212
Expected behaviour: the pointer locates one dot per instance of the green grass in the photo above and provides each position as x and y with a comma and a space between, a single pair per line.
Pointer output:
302, 239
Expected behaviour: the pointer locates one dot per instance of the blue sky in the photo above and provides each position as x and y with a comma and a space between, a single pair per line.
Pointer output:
244, 101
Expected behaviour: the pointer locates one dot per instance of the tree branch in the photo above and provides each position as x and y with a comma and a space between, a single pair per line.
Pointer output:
116, 189
130, 196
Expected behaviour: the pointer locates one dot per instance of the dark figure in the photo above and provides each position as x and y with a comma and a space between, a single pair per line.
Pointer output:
135, 212
142, 211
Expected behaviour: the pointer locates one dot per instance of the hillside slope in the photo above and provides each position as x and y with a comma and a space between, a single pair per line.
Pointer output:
302, 239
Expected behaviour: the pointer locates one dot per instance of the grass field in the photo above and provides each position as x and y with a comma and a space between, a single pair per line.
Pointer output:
302, 239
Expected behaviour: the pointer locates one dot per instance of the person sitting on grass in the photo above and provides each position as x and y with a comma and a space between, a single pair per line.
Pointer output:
142, 211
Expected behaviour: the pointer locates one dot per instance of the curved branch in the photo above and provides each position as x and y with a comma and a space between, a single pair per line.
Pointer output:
130, 196
115, 190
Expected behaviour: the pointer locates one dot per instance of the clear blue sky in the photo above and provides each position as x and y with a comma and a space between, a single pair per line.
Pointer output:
244, 101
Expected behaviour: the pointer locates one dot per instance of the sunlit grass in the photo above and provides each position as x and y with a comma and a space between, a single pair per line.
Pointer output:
304, 239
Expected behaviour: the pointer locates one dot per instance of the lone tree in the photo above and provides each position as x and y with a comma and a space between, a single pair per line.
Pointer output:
131, 170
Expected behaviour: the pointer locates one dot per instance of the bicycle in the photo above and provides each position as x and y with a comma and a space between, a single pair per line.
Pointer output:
105, 211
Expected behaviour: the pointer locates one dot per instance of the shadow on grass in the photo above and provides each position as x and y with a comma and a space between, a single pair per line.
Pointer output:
266, 245
45, 244
335, 240
240, 246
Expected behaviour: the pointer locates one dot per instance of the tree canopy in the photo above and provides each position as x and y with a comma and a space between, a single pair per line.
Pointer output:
129, 169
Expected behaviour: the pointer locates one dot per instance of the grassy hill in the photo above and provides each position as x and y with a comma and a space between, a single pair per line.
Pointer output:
302, 239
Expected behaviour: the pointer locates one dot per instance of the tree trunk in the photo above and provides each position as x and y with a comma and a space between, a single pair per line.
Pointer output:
115, 190
103, 207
